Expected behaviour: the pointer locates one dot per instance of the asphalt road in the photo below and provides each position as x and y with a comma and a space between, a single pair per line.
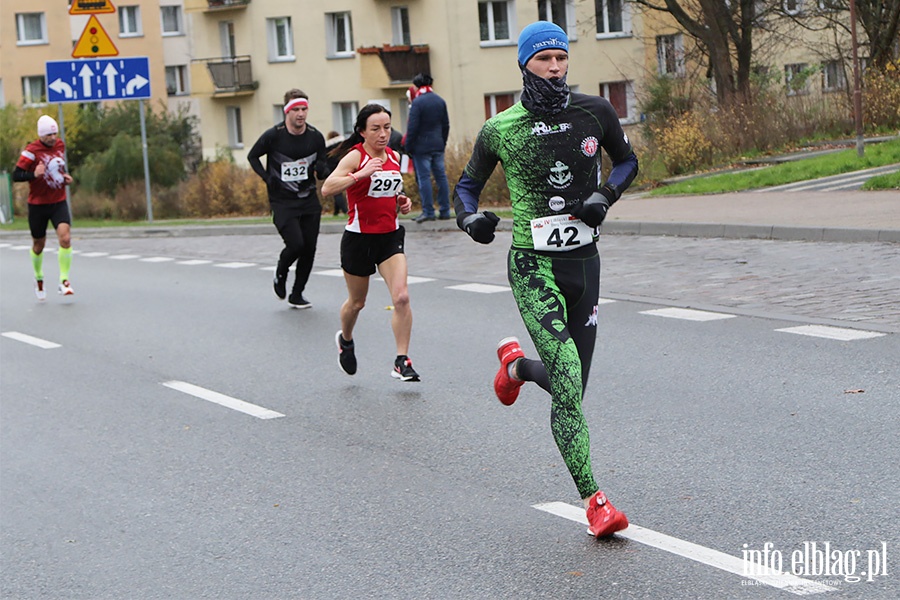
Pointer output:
727, 433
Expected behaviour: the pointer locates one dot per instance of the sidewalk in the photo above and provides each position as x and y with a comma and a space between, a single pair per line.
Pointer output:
800, 216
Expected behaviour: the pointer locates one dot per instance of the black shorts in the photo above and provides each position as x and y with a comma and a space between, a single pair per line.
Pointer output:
41, 214
362, 252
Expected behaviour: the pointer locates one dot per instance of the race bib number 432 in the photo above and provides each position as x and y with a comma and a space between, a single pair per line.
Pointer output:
385, 184
297, 170
559, 233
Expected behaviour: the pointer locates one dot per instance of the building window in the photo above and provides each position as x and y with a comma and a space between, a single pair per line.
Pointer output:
793, 7
34, 90
226, 38
795, 79
339, 34
171, 20
400, 26
281, 39
130, 21
494, 21
235, 133
612, 17
31, 28
495, 104
670, 55
833, 76
277, 114
621, 95
344, 116
561, 12
176, 80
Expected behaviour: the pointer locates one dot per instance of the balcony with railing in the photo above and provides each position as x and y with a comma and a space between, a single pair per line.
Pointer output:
209, 6
392, 66
231, 75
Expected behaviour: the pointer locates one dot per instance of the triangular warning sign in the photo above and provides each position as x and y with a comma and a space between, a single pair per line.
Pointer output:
94, 42
86, 7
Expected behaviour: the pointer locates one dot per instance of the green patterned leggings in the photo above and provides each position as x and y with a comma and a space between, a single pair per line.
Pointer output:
557, 298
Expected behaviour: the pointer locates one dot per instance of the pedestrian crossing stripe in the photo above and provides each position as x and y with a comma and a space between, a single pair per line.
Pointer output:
86, 7
94, 42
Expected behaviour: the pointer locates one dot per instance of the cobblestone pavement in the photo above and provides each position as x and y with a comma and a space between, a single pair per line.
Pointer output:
845, 284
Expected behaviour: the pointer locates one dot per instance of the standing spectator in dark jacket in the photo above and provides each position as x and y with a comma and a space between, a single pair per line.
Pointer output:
426, 138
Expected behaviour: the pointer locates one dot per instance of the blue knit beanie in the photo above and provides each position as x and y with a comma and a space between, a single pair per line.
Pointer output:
541, 35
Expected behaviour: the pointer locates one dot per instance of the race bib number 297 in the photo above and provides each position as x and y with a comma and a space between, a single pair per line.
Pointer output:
559, 233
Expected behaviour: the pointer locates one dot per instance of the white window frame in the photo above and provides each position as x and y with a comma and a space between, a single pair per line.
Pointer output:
22, 29
545, 13
179, 76
793, 7
400, 32
175, 12
227, 39
280, 33
493, 40
602, 6
28, 82
343, 116
790, 71
126, 15
833, 78
630, 101
337, 25
235, 127
662, 54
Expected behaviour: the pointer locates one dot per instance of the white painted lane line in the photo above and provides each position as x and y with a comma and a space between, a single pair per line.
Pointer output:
123, 256
5, 245
832, 333
193, 262
479, 288
157, 259
687, 314
227, 401
21, 247
21, 337
234, 265
410, 279
605, 301
94, 254
331, 272
707, 556
272, 269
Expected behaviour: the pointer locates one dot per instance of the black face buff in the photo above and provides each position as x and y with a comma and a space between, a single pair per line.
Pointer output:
543, 96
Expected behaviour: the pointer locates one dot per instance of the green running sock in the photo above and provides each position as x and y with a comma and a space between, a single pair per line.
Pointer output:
65, 263
37, 263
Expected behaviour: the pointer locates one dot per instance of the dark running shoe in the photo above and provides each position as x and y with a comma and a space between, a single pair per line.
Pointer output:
298, 301
403, 370
280, 284
346, 355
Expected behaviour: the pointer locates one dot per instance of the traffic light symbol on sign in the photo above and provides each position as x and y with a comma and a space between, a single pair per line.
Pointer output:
84, 7
94, 42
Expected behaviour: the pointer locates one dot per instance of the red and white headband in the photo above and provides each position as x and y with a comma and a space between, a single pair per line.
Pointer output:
295, 102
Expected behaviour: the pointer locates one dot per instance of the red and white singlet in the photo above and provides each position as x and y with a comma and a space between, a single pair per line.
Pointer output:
372, 202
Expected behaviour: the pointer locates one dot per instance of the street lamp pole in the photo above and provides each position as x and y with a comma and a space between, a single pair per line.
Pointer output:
857, 94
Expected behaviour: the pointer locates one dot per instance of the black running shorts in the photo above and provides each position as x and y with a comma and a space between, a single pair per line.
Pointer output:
41, 214
361, 253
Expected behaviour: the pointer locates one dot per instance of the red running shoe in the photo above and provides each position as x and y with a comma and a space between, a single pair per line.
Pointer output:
603, 518
506, 388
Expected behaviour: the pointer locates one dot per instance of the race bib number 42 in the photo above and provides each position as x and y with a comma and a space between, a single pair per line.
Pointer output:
297, 170
559, 233
385, 184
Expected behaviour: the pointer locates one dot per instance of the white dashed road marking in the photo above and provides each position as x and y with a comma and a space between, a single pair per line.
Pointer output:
480, 288
687, 314
123, 256
235, 265
832, 333
94, 254
21, 337
331, 272
227, 401
707, 556
157, 259
193, 262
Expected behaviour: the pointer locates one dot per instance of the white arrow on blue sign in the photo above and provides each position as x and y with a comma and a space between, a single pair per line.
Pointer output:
98, 79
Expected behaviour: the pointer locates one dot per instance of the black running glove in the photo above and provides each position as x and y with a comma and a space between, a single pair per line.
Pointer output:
479, 226
593, 210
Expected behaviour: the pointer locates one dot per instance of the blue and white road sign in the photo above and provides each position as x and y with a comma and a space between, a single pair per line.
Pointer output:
98, 79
